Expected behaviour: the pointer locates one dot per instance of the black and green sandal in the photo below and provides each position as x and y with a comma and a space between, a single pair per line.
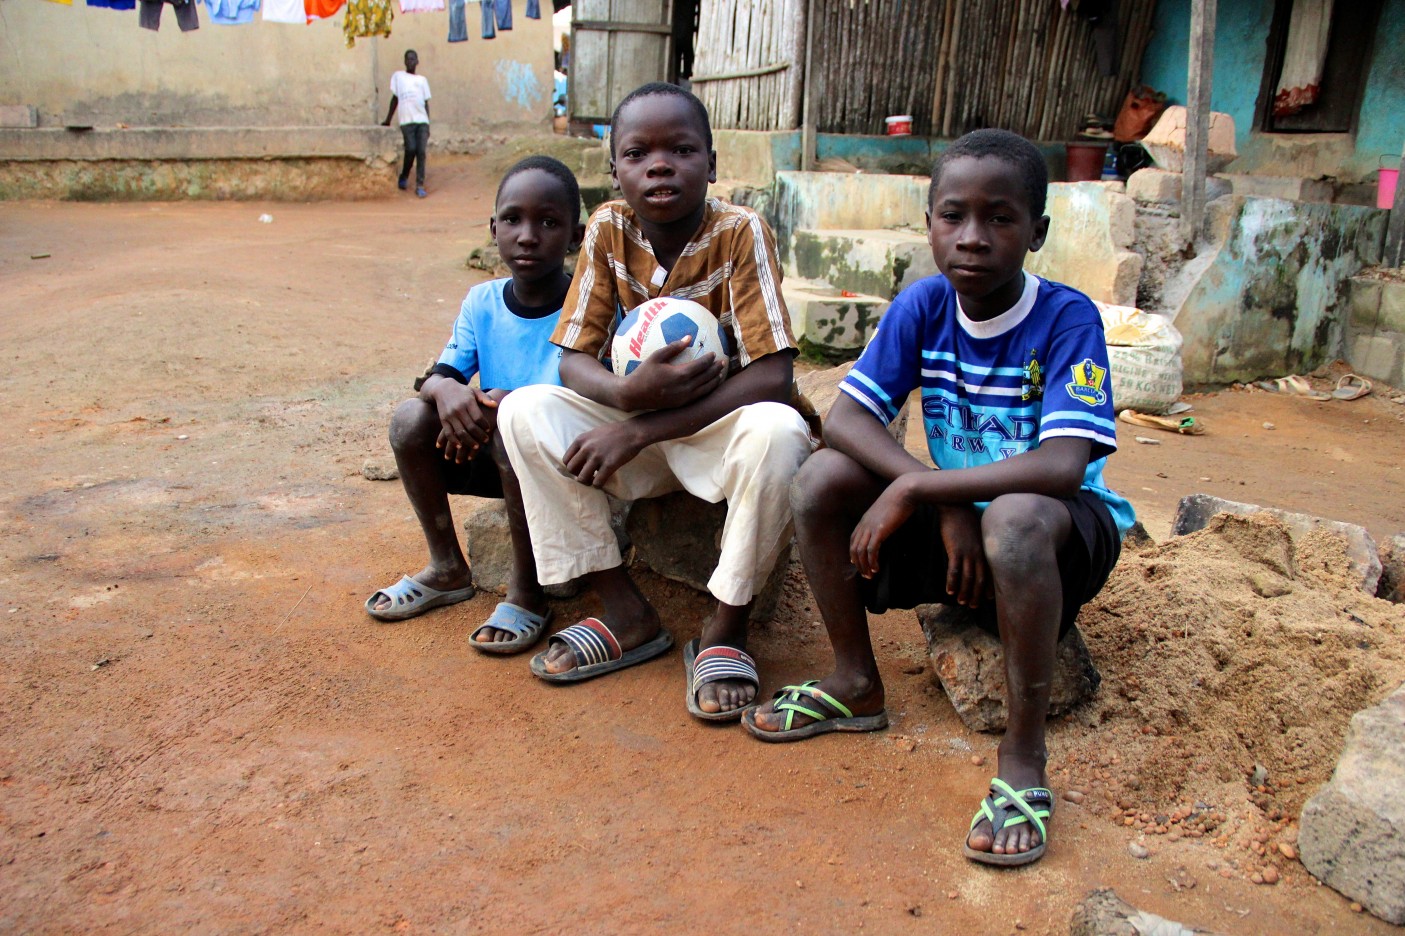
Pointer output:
1006, 806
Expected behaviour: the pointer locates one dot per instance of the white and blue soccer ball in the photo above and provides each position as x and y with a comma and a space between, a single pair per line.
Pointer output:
653, 324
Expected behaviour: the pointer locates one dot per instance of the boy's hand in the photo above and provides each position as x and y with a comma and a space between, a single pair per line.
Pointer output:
967, 575
659, 383
889, 512
467, 418
600, 452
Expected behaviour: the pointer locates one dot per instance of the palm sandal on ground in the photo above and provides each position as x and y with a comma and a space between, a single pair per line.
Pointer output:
597, 652
712, 665
808, 699
525, 627
1293, 386
1185, 425
409, 598
1351, 387
1006, 806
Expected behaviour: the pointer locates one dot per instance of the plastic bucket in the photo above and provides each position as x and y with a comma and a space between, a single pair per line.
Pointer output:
1085, 161
899, 125
1385, 188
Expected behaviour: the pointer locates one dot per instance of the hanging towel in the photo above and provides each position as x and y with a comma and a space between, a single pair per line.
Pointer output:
499, 9
64, 2
114, 4
321, 9
284, 11
366, 18
421, 6
458, 25
1309, 29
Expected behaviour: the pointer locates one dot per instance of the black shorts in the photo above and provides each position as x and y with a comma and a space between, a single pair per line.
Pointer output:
912, 563
479, 476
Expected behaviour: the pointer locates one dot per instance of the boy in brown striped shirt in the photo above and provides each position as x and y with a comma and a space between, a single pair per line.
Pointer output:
666, 426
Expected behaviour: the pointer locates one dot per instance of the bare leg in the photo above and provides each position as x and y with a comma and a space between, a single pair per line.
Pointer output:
522, 587
413, 431
828, 497
1022, 534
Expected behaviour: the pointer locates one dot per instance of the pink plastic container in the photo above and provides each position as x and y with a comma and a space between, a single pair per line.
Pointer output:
899, 125
1385, 188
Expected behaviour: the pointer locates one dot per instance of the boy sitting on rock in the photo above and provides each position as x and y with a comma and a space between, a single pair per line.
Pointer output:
1015, 521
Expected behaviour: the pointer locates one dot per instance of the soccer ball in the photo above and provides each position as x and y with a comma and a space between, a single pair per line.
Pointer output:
650, 326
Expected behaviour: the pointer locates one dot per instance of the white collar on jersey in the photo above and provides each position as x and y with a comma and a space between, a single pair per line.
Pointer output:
1010, 318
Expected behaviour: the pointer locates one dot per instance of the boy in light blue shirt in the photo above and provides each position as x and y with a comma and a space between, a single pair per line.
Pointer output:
445, 438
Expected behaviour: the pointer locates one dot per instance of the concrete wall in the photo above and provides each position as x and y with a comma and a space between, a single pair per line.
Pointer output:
1241, 51
1266, 294
1091, 230
87, 65
1375, 345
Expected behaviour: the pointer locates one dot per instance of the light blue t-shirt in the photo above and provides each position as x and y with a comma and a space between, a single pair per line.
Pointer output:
996, 388
507, 344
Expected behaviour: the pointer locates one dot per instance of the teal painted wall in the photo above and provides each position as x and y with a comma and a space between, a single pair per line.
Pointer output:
1241, 49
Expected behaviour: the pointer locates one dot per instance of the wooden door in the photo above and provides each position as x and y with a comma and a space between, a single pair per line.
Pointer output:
616, 46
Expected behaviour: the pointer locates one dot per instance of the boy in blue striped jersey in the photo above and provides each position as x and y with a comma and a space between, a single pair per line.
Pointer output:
1015, 523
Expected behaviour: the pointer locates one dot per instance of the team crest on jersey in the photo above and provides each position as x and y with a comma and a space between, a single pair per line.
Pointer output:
1087, 383
1033, 386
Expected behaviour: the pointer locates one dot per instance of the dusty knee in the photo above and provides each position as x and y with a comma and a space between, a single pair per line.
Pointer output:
824, 483
1019, 534
414, 424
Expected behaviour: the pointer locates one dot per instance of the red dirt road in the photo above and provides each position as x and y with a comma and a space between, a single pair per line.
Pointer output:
203, 731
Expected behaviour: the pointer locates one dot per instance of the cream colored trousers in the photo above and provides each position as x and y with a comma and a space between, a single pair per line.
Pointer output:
747, 458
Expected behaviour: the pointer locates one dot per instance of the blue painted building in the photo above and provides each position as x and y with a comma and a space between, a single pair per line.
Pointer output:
1346, 135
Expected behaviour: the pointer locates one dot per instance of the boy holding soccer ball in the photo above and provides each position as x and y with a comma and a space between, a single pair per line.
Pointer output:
721, 429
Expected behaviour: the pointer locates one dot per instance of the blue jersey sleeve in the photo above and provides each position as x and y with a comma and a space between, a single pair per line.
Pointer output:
1078, 389
890, 367
461, 352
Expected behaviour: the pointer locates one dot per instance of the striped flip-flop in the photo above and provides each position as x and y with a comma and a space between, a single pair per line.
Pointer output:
712, 665
597, 652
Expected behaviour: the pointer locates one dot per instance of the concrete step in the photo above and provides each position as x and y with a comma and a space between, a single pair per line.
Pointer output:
827, 320
875, 262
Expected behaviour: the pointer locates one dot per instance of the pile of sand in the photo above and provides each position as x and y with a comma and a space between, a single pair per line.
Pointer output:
1232, 660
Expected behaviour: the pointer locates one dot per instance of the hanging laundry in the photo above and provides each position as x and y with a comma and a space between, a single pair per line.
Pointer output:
64, 2
284, 11
499, 9
1300, 81
149, 17
232, 12
458, 24
421, 6
367, 18
114, 4
534, 9
321, 9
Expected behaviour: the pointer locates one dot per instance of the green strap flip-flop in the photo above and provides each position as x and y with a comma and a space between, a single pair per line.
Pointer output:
829, 715
1006, 806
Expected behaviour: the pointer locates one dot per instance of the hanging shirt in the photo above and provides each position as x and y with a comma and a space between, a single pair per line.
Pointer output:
232, 12
114, 4
411, 92
421, 6
367, 18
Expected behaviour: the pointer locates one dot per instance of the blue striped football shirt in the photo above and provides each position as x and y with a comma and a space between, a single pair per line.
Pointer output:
996, 388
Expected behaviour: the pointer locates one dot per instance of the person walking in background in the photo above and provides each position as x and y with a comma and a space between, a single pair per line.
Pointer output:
410, 93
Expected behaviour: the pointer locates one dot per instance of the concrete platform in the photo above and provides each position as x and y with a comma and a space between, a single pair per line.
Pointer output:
829, 321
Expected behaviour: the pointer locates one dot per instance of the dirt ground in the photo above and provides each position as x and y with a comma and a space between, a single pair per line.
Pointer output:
203, 730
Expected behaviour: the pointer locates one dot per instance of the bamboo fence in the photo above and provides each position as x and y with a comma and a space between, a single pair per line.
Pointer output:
954, 65
749, 62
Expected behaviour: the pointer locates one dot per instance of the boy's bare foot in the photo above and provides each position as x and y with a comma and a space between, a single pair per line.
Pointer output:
863, 696
726, 628
438, 579
1021, 771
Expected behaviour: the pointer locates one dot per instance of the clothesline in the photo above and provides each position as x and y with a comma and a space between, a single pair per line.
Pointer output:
363, 17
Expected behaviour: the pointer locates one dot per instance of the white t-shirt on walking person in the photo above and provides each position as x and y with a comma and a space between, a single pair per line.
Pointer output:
411, 92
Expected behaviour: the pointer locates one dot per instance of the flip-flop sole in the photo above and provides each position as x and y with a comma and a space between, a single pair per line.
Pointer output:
690, 653
661, 643
1006, 861
429, 603
856, 724
516, 644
